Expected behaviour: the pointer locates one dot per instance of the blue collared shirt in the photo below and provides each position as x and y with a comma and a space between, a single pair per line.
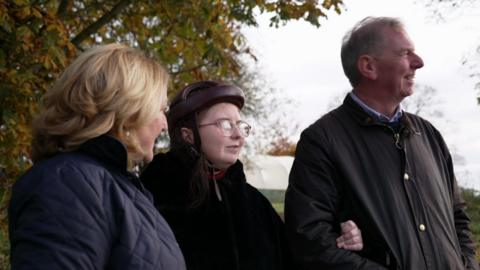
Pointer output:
381, 117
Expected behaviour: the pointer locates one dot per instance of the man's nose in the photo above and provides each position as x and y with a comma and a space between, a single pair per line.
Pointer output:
417, 61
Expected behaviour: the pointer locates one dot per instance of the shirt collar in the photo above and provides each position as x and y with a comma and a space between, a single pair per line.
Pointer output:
381, 117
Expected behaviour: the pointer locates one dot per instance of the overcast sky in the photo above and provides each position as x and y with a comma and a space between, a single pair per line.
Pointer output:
304, 63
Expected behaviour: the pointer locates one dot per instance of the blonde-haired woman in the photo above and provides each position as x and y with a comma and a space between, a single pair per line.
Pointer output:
79, 206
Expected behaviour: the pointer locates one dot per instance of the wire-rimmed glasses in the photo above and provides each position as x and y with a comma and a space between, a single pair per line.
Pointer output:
227, 127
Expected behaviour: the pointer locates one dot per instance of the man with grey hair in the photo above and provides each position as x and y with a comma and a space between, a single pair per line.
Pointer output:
386, 169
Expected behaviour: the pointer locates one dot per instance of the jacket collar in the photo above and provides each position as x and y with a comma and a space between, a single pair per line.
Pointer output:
108, 150
365, 119
380, 116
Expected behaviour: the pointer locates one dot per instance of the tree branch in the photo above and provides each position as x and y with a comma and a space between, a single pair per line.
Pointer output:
62, 8
92, 28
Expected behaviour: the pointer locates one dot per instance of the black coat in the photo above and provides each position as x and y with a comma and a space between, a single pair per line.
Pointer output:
242, 231
399, 187
84, 210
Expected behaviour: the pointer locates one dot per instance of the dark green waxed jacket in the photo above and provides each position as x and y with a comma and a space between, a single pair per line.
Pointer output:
399, 187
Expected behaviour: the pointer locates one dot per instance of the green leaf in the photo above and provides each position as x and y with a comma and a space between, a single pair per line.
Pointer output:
58, 54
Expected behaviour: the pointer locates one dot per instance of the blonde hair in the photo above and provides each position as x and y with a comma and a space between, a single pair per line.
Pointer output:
110, 89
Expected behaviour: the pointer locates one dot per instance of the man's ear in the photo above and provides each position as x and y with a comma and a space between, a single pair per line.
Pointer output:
367, 66
187, 135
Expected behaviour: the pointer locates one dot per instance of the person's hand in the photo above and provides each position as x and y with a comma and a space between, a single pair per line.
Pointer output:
351, 238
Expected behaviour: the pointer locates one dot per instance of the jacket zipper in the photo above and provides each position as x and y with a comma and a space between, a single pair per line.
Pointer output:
228, 211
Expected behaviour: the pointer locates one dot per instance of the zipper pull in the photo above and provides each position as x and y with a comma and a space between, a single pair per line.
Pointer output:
396, 136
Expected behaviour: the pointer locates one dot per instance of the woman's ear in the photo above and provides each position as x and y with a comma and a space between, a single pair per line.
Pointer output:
187, 135
367, 67
125, 132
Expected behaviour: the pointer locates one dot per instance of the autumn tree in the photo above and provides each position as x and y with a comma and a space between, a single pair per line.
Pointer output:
194, 39
282, 146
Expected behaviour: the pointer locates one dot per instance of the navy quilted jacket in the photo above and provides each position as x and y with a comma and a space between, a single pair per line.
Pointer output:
84, 210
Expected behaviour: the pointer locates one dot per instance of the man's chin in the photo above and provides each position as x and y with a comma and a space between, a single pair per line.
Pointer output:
407, 92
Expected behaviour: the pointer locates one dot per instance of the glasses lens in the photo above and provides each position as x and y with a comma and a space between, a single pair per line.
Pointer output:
226, 126
244, 128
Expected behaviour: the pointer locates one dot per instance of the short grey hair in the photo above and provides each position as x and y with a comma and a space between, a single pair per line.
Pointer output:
364, 38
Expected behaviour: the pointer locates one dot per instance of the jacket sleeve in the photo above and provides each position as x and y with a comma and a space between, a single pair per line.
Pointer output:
462, 221
56, 221
311, 205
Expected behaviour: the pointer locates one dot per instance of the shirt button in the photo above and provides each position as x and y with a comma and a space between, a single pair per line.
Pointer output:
422, 227
406, 177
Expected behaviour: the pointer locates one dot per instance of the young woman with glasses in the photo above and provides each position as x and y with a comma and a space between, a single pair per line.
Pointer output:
199, 186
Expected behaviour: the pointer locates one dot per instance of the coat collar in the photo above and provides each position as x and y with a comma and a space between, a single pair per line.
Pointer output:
108, 150
180, 161
378, 115
365, 119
